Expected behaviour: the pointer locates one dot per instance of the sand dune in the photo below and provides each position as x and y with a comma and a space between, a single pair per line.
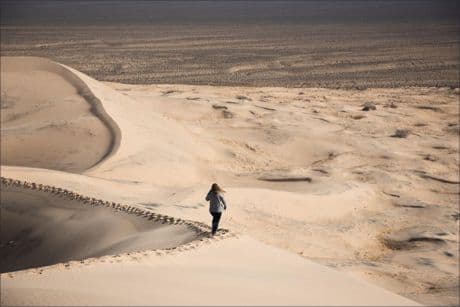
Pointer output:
233, 271
363, 184
361, 200
44, 103
172, 273
40, 228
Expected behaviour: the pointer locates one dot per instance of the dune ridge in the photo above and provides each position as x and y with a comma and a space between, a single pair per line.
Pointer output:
97, 108
71, 119
10, 240
108, 286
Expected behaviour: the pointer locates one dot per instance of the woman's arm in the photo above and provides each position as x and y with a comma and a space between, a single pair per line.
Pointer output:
223, 201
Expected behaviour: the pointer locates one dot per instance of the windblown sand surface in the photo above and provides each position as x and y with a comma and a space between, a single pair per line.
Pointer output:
371, 192
307, 171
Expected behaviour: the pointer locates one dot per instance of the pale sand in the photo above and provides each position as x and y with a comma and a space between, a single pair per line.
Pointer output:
233, 271
261, 144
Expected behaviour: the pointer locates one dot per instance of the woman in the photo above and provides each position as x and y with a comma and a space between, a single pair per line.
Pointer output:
216, 205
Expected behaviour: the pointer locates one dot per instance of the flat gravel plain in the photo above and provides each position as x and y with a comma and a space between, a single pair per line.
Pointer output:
288, 55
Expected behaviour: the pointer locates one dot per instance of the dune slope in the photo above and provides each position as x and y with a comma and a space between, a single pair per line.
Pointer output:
234, 271
42, 102
40, 228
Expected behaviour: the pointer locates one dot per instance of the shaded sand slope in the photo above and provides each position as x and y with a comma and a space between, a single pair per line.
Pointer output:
40, 228
44, 103
234, 271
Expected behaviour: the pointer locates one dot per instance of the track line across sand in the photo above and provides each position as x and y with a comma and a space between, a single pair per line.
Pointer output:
201, 229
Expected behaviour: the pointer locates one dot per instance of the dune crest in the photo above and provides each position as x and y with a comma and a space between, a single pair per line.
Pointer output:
37, 219
44, 102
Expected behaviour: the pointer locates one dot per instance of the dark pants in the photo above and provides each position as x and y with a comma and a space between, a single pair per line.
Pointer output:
215, 221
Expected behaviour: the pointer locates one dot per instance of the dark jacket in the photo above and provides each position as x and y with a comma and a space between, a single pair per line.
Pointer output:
216, 202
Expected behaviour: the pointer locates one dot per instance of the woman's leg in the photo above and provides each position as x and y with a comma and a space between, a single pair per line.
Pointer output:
215, 221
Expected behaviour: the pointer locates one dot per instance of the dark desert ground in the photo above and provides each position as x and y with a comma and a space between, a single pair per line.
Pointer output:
335, 44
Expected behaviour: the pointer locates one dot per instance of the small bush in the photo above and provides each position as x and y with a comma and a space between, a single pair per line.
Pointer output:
369, 106
401, 133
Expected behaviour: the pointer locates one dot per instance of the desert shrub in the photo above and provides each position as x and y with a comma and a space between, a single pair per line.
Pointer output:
369, 106
401, 133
